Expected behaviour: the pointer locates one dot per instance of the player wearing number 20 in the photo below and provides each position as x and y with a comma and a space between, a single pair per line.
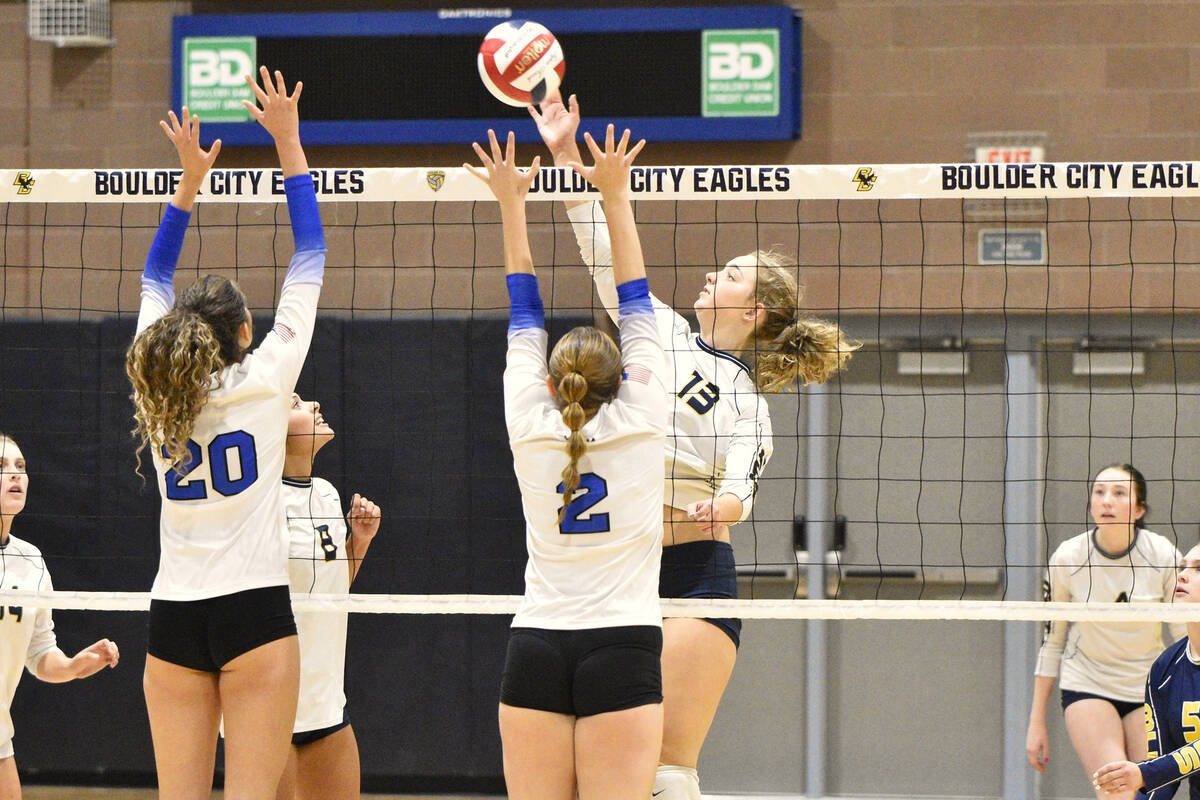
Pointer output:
222, 638
581, 694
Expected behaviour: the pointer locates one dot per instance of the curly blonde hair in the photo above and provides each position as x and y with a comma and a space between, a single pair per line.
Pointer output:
175, 363
585, 366
788, 346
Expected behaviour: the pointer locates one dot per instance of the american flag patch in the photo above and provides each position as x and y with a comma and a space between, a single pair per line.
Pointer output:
636, 373
285, 333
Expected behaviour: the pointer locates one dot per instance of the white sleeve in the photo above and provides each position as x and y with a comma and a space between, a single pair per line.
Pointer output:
285, 347
1055, 588
524, 377
749, 449
591, 233
644, 385
157, 299
43, 640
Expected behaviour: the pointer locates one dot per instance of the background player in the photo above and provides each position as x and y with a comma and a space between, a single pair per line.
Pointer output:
222, 639
323, 762
752, 339
27, 638
1172, 702
581, 695
1103, 666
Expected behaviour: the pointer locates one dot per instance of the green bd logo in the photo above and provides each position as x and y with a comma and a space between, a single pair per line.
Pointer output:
741, 73
214, 70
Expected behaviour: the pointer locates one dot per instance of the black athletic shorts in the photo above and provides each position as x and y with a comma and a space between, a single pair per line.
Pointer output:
207, 634
702, 569
1124, 707
308, 737
583, 672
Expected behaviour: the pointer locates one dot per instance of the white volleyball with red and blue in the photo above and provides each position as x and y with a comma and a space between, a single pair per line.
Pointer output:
520, 62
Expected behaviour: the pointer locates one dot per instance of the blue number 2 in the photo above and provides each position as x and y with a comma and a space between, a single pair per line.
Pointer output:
594, 489
218, 465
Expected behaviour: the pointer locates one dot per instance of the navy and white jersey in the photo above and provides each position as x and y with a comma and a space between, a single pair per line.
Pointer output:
222, 527
317, 563
1107, 658
599, 566
1172, 724
720, 436
26, 634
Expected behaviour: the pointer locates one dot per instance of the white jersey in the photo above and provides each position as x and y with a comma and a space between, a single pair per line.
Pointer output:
599, 568
720, 436
222, 527
317, 563
1110, 659
26, 634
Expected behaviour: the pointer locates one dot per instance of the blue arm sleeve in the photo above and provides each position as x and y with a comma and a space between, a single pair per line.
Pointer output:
164, 252
302, 207
525, 303
634, 298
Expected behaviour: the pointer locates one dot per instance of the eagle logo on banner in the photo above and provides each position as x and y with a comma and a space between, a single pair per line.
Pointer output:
25, 181
435, 178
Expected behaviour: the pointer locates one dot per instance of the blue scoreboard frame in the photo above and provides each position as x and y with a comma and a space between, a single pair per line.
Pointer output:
620, 24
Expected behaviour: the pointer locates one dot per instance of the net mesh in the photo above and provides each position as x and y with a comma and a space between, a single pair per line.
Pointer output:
1018, 337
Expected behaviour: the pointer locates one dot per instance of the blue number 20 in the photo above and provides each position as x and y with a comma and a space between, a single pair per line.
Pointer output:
218, 466
594, 489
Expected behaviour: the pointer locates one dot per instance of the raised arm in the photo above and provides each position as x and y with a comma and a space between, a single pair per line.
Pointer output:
158, 293
610, 174
558, 125
286, 346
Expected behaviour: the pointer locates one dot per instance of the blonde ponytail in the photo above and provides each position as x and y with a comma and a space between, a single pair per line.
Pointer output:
585, 366
788, 347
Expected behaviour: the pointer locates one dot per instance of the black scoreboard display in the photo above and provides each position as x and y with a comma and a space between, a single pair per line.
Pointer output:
671, 74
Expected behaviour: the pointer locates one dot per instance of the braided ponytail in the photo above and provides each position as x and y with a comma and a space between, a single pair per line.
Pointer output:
585, 366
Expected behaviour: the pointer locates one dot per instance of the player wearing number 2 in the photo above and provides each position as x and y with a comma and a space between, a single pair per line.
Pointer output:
753, 338
222, 639
581, 695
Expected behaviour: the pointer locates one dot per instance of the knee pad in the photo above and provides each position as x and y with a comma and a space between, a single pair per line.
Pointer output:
676, 783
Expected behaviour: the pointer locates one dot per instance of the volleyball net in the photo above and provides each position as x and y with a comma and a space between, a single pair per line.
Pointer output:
1023, 326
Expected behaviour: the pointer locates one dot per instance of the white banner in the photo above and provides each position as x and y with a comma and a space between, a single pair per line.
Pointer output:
779, 182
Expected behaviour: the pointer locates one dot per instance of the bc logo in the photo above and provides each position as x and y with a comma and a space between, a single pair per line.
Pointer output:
435, 178
24, 181
865, 178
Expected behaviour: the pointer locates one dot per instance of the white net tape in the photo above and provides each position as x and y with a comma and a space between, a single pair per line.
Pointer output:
979, 610
779, 182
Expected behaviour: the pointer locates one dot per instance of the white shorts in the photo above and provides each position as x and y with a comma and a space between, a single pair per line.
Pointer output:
6, 748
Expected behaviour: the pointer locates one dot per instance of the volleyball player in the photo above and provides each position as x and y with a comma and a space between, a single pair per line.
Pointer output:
323, 762
581, 694
27, 638
752, 339
1101, 667
222, 639
1172, 706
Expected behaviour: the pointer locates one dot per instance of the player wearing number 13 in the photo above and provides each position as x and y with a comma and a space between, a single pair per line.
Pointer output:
222, 638
581, 694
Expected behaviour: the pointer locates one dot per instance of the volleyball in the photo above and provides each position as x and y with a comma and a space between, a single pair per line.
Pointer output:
520, 62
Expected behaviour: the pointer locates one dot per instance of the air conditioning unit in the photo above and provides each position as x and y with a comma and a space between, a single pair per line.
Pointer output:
71, 23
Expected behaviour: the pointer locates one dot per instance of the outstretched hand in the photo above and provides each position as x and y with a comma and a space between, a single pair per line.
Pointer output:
610, 169
185, 135
558, 124
500, 171
279, 112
